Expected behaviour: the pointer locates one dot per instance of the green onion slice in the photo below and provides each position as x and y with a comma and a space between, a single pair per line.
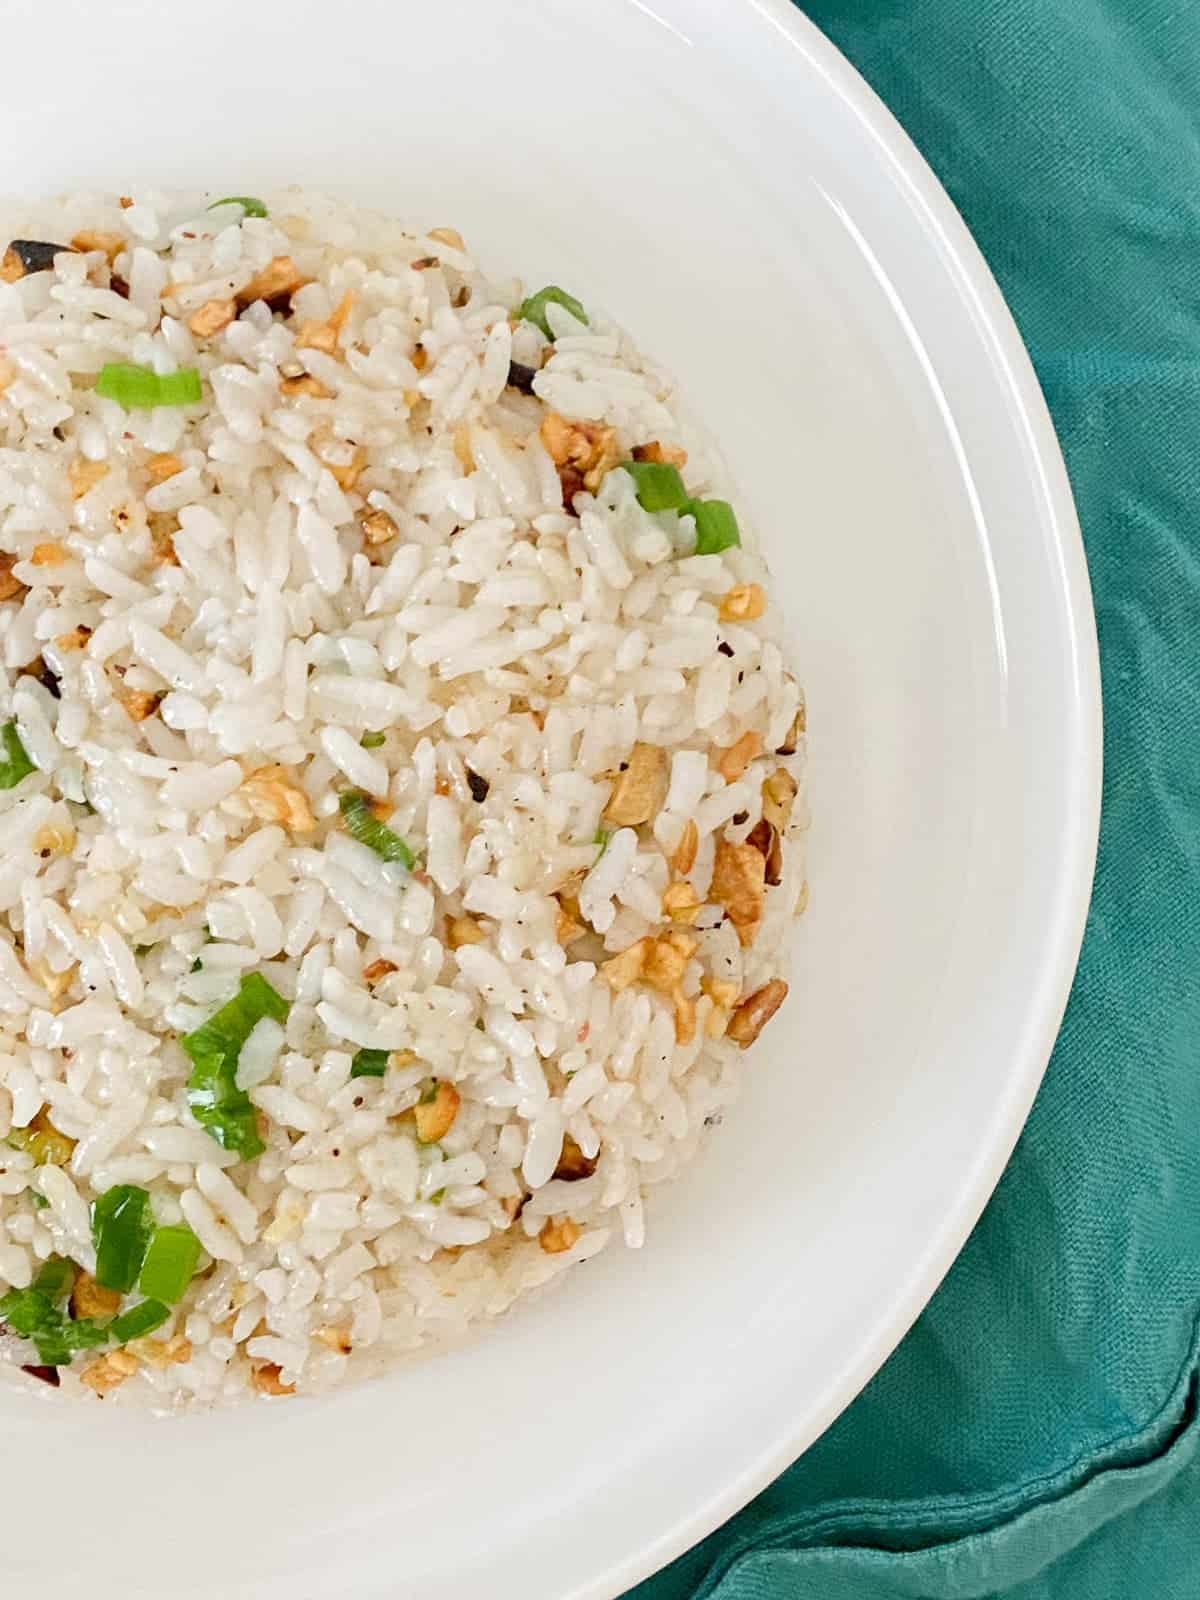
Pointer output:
170, 1263
369, 1063
659, 486
251, 206
140, 388
533, 309
372, 741
368, 830
14, 759
122, 1223
56, 1279
138, 1321
218, 1105
716, 526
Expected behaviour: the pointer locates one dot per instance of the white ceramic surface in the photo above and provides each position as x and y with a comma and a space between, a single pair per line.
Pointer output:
701, 167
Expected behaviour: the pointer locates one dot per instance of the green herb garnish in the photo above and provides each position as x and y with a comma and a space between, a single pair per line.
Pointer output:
14, 759
372, 741
218, 1105
38, 1201
369, 1063
601, 837
138, 1321
368, 830
437, 1197
141, 388
170, 1263
248, 203
197, 965
659, 486
122, 1223
716, 526
533, 308
141, 950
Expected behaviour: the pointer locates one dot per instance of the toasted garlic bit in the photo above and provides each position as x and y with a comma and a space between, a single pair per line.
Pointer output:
163, 526
435, 1117
377, 527
317, 335
110, 244
346, 473
267, 1378
684, 856
795, 733
83, 475
752, 1016
765, 838
745, 602
626, 968
739, 884
572, 1163
109, 1372
48, 554
139, 703
569, 926
10, 587
92, 1299
463, 930
280, 277
162, 1352
336, 1337
378, 969
75, 640
212, 316
723, 993
381, 808
733, 762
639, 790
305, 384
161, 467
582, 451
54, 839
273, 798
680, 902
685, 1017
666, 960
665, 455
778, 796
558, 1234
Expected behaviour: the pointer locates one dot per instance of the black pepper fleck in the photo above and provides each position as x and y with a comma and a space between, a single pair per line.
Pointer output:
478, 786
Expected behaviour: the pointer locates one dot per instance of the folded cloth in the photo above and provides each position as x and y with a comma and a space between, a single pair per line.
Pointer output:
1036, 1436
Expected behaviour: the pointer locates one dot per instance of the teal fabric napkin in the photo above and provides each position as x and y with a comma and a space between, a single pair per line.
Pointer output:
1035, 1437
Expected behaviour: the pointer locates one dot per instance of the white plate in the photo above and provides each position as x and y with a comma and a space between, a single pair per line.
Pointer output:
715, 175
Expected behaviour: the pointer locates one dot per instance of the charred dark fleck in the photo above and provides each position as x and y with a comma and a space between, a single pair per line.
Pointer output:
24, 256
119, 286
280, 305
58, 433
725, 648
521, 377
478, 786
48, 679
739, 817
45, 1374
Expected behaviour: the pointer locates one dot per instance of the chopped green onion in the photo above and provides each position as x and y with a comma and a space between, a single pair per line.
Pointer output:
369, 1063
251, 206
370, 831
218, 1105
716, 526
533, 309
140, 388
197, 965
170, 1263
601, 837
429, 1093
437, 1197
140, 950
56, 1279
138, 1321
38, 1201
14, 762
122, 1223
42, 1140
372, 741
659, 486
